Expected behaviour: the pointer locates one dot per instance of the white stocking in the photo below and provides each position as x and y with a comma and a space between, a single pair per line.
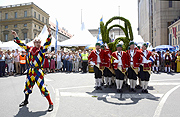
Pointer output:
118, 84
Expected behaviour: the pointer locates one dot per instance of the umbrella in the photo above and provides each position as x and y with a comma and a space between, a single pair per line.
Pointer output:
165, 47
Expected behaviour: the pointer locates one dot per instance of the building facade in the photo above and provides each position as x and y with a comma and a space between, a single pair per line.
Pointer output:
62, 33
174, 33
26, 19
154, 18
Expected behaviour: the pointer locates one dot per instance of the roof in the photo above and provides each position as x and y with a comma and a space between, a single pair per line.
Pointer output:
53, 26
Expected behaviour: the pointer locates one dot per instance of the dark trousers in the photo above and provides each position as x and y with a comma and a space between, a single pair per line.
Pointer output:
22, 68
97, 72
84, 66
2, 68
64, 65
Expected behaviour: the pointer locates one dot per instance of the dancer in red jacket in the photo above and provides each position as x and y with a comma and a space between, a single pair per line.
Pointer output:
96, 58
120, 65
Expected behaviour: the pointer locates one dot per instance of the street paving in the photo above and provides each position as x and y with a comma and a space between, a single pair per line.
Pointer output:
74, 96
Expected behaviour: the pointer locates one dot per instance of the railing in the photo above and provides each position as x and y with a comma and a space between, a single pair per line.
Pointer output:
16, 5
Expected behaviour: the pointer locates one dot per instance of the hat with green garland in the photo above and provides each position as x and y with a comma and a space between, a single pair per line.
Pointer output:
120, 44
131, 43
145, 44
98, 44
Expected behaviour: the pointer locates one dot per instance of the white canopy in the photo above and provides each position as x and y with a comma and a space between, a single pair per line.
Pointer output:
139, 40
82, 38
10, 45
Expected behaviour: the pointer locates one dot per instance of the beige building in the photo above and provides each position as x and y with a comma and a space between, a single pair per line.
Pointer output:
154, 17
172, 40
62, 33
26, 19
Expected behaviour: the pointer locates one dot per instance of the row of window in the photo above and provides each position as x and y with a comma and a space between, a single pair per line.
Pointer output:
6, 36
25, 15
15, 15
176, 41
39, 17
15, 26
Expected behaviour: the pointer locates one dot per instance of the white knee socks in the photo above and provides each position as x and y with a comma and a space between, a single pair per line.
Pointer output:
146, 85
118, 84
157, 69
143, 84
134, 84
131, 83
165, 69
106, 80
109, 80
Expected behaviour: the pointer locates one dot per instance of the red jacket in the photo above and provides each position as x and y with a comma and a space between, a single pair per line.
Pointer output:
93, 57
149, 54
123, 59
107, 58
136, 58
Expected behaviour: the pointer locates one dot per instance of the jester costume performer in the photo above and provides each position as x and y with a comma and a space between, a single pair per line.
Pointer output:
35, 60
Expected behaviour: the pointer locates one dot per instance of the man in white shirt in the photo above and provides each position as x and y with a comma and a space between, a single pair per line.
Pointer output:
16, 61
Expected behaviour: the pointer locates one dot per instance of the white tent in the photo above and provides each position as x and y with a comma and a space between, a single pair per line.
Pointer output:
82, 38
138, 40
10, 45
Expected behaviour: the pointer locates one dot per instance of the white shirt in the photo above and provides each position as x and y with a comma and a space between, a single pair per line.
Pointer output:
59, 57
132, 54
16, 59
98, 57
144, 57
119, 54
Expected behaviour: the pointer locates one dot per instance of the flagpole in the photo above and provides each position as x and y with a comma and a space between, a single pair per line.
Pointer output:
81, 16
119, 20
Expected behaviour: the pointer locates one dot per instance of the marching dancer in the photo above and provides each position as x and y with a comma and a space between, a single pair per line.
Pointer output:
145, 67
119, 58
96, 58
133, 65
167, 58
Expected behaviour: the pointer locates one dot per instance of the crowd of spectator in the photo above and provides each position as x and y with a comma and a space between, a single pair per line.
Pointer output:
14, 62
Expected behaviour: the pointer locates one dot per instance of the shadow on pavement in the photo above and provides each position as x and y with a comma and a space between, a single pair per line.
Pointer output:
24, 112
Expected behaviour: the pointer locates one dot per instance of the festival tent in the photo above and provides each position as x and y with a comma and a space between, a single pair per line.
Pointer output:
165, 47
10, 45
82, 38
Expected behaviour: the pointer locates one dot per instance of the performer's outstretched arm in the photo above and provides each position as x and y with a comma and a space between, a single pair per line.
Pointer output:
48, 41
19, 42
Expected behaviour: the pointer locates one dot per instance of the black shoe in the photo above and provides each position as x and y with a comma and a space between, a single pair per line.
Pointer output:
134, 90
50, 108
24, 103
100, 88
96, 87
105, 86
110, 86
102, 84
120, 91
145, 91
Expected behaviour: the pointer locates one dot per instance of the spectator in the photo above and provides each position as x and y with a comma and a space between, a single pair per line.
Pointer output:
10, 63
16, 60
64, 62
22, 62
84, 58
52, 64
173, 60
80, 62
2, 64
70, 61
67, 61
76, 62
58, 60
46, 62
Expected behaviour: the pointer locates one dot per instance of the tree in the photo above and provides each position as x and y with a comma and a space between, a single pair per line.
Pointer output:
126, 29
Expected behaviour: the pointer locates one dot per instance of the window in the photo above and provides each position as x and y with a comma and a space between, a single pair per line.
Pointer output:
178, 27
179, 40
39, 27
15, 15
43, 19
25, 25
39, 17
6, 37
6, 15
170, 3
173, 41
15, 26
34, 25
34, 14
25, 13
25, 35
34, 35
6, 26
46, 21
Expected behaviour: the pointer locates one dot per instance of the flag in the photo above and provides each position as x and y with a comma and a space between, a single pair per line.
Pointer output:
56, 36
82, 26
174, 32
99, 30
151, 59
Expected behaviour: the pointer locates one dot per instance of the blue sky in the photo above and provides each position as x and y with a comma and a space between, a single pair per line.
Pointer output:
68, 12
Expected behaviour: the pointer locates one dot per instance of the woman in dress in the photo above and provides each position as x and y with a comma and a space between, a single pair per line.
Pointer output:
46, 63
52, 64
